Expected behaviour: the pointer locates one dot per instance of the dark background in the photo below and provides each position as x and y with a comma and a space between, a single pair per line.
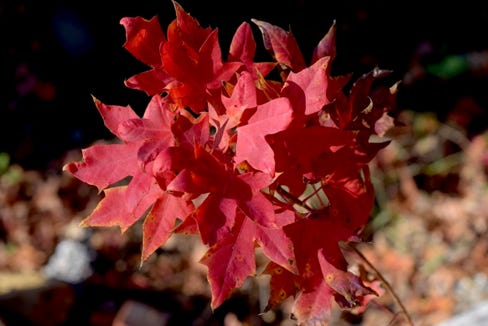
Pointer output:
56, 54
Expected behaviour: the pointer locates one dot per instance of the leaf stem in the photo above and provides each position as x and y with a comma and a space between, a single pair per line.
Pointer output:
292, 199
385, 282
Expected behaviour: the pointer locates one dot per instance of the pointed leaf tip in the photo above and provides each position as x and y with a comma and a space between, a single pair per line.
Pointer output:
281, 44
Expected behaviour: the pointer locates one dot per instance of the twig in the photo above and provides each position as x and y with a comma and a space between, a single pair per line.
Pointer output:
385, 282
292, 199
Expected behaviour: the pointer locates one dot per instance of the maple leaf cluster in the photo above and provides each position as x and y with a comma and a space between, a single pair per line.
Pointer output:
224, 152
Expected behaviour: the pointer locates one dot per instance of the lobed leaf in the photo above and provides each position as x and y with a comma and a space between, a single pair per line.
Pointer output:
314, 307
231, 261
243, 49
270, 118
347, 285
111, 211
143, 39
160, 222
282, 45
105, 164
114, 115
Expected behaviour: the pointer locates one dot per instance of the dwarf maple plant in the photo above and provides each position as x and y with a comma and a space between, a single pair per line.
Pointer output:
224, 152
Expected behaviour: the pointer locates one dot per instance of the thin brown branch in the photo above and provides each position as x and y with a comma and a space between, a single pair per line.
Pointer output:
385, 282
292, 199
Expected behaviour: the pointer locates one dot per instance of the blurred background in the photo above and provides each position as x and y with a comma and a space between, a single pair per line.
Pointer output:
429, 226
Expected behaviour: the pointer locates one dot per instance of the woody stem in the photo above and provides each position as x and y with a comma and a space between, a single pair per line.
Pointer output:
385, 282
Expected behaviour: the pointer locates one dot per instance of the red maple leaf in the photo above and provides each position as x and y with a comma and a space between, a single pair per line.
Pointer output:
142, 139
283, 284
98, 164
161, 222
326, 46
300, 160
363, 107
307, 89
243, 97
231, 260
269, 118
313, 307
192, 56
204, 175
322, 275
143, 40
243, 49
110, 211
187, 63
347, 287
97, 168
124, 205
282, 45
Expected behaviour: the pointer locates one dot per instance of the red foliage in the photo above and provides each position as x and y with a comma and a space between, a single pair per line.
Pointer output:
244, 161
